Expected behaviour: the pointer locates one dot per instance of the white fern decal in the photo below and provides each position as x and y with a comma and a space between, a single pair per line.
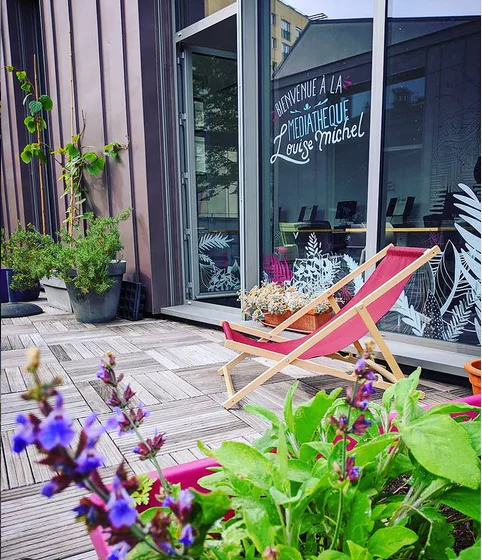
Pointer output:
353, 265
460, 317
312, 249
213, 240
417, 321
471, 255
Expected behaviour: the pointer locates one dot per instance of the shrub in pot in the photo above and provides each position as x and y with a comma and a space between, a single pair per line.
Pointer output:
89, 266
25, 256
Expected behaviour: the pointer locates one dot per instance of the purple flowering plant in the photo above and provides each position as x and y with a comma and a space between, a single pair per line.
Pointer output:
334, 478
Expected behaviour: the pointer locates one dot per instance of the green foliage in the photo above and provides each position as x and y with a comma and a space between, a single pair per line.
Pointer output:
141, 495
83, 261
27, 252
294, 501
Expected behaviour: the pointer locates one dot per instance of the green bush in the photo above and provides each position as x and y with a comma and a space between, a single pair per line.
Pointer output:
83, 261
27, 252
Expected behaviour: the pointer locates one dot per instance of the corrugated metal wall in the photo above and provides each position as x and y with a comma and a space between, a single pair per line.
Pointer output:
123, 82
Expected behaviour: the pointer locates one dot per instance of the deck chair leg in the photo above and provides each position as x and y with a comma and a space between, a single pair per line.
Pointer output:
227, 379
234, 362
268, 374
382, 345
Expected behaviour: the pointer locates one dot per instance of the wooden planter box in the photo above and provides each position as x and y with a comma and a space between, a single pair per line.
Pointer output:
310, 322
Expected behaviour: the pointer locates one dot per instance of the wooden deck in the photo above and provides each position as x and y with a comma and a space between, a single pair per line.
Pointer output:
171, 366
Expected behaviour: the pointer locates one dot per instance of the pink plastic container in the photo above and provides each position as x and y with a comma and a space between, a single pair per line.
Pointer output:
189, 474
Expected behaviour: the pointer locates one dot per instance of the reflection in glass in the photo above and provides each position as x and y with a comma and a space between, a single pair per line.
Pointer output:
431, 165
314, 207
216, 167
191, 11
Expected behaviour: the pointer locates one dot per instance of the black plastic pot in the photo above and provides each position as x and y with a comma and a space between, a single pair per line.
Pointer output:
4, 285
95, 308
19, 296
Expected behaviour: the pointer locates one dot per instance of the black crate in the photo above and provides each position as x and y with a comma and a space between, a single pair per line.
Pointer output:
132, 301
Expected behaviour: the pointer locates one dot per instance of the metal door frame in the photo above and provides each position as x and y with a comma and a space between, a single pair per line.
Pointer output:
188, 174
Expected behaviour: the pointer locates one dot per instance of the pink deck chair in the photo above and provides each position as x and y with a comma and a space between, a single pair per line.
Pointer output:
347, 326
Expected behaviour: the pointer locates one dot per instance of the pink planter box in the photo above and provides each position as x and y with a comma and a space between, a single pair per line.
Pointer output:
188, 475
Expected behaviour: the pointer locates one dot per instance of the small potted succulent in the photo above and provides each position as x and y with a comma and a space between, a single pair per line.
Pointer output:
24, 261
90, 268
271, 303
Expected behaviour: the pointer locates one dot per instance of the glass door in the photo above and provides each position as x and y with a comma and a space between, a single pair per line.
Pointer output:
212, 162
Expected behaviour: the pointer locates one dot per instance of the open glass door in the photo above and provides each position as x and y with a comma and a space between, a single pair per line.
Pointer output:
212, 161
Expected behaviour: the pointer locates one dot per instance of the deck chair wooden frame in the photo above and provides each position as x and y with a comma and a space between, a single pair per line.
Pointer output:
385, 377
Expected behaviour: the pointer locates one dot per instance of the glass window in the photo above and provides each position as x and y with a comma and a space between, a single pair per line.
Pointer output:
274, 43
314, 179
285, 49
285, 30
190, 11
298, 32
431, 165
273, 19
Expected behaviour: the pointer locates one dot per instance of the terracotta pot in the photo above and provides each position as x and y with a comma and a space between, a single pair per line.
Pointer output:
473, 369
306, 324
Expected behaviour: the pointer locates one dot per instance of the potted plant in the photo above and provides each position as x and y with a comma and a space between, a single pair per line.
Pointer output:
24, 256
332, 479
89, 266
272, 303
3, 277
472, 367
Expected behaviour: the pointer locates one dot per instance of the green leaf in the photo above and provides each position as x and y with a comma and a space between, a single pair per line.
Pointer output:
307, 416
245, 462
366, 452
452, 408
263, 412
389, 540
465, 500
309, 451
26, 87
46, 102
288, 407
259, 527
29, 122
142, 551
9, 68
404, 396
21, 75
26, 155
72, 150
333, 555
360, 523
96, 163
472, 427
437, 533
289, 553
443, 448
148, 515
34, 107
42, 124
472, 553
357, 552
281, 461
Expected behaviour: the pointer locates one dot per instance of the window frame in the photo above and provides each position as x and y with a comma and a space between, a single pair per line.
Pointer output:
285, 30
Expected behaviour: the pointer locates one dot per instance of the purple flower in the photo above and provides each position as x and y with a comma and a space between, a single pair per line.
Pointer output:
362, 370
167, 548
57, 428
340, 423
118, 552
360, 366
120, 506
89, 460
352, 472
25, 434
181, 507
49, 489
362, 396
360, 425
104, 373
187, 535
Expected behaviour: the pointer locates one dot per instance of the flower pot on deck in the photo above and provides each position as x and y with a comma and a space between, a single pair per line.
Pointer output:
472, 367
20, 296
310, 322
4, 285
95, 308
57, 294
187, 475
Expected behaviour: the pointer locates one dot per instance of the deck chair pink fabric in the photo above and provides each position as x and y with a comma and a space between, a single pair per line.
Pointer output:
349, 324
